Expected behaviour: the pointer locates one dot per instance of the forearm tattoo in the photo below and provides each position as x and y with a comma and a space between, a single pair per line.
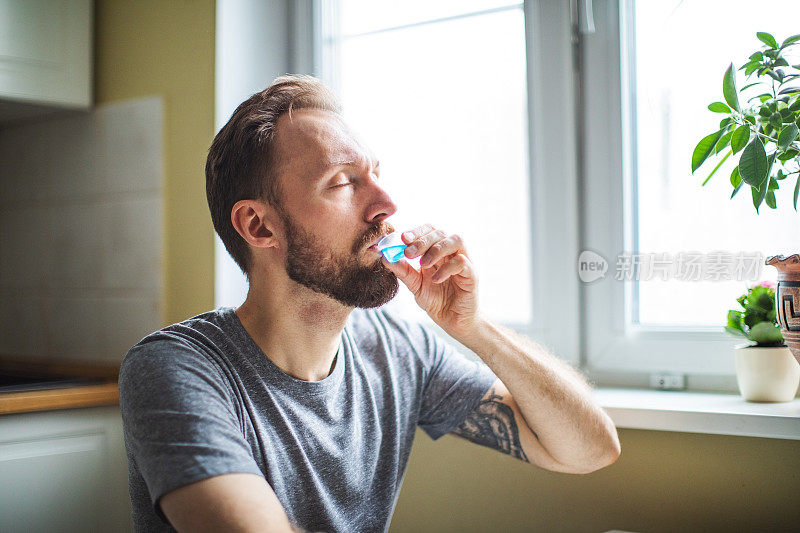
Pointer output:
492, 424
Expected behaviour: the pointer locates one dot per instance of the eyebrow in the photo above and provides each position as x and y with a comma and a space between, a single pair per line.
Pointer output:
346, 163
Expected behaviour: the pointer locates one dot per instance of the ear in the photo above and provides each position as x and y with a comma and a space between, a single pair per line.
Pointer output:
255, 222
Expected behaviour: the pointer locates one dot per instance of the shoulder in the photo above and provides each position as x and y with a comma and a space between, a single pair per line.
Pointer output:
174, 354
191, 334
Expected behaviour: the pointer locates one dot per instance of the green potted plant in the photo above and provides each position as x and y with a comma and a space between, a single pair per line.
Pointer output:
765, 126
766, 371
761, 127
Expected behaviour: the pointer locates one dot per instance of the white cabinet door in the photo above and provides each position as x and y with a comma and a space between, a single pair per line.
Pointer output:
46, 52
63, 471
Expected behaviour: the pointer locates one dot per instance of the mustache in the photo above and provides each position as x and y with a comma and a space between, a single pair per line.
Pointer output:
377, 231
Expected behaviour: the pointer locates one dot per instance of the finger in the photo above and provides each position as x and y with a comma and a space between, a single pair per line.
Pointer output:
458, 264
405, 273
419, 231
421, 244
448, 246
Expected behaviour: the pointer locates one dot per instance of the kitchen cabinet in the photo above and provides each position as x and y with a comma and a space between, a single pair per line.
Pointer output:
45, 56
64, 471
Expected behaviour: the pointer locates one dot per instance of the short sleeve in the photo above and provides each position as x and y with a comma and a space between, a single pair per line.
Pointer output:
179, 419
454, 385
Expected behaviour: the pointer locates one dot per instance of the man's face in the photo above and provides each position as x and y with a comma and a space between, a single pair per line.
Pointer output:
333, 210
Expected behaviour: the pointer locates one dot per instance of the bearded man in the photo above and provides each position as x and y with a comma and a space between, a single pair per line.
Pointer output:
297, 410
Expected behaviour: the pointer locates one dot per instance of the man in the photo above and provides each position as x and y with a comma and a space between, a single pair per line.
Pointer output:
298, 409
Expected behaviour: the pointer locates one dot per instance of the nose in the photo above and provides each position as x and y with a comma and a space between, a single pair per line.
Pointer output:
381, 205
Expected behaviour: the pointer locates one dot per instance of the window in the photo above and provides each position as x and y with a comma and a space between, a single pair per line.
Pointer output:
674, 213
438, 91
650, 70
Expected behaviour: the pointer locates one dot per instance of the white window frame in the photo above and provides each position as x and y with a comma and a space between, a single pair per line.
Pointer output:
617, 351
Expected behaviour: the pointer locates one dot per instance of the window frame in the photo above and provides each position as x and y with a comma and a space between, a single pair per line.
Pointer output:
618, 352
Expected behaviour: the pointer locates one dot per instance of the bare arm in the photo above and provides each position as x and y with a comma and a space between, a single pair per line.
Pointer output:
540, 410
230, 502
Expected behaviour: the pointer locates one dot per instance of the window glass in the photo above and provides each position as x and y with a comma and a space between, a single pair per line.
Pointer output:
682, 49
360, 16
443, 106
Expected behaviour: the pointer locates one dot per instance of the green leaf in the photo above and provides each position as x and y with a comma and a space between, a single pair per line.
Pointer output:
750, 65
766, 333
704, 149
729, 88
757, 56
770, 199
766, 96
790, 40
735, 320
785, 90
723, 142
737, 188
719, 107
726, 156
740, 137
758, 195
753, 163
773, 184
724, 122
749, 85
767, 39
787, 135
775, 120
736, 179
796, 190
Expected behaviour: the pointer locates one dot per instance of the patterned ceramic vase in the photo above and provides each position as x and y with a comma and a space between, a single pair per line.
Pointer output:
787, 299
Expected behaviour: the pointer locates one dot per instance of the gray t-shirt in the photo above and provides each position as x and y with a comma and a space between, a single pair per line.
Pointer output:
199, 398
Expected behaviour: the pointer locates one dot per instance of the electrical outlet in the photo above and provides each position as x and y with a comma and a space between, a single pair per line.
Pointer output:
668, 381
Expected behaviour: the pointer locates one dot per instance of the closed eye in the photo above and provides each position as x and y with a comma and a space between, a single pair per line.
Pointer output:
345, 184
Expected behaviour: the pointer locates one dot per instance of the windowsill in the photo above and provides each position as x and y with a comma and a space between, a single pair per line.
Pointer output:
700, 412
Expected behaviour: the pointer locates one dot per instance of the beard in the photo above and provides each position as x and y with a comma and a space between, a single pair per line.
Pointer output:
342, 278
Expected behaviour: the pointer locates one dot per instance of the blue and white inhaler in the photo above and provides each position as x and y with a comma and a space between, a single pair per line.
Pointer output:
392, 247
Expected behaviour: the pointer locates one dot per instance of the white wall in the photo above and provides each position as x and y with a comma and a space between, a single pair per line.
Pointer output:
251, 50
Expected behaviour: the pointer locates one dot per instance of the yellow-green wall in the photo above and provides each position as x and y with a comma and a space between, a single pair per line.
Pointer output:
662, 482
166, 47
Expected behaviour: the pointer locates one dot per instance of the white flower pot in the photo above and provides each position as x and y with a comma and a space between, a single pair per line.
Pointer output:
766, 374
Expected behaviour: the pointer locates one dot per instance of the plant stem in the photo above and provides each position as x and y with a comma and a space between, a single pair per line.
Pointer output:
717, 167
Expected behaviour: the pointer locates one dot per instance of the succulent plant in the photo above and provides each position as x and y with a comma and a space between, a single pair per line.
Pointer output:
758, 322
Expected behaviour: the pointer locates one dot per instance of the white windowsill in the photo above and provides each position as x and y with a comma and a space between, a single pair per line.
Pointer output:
700, 412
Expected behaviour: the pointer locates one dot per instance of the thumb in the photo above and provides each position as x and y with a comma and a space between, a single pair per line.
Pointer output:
405, 273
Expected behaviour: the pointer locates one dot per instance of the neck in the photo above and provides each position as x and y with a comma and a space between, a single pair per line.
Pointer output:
297, 329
